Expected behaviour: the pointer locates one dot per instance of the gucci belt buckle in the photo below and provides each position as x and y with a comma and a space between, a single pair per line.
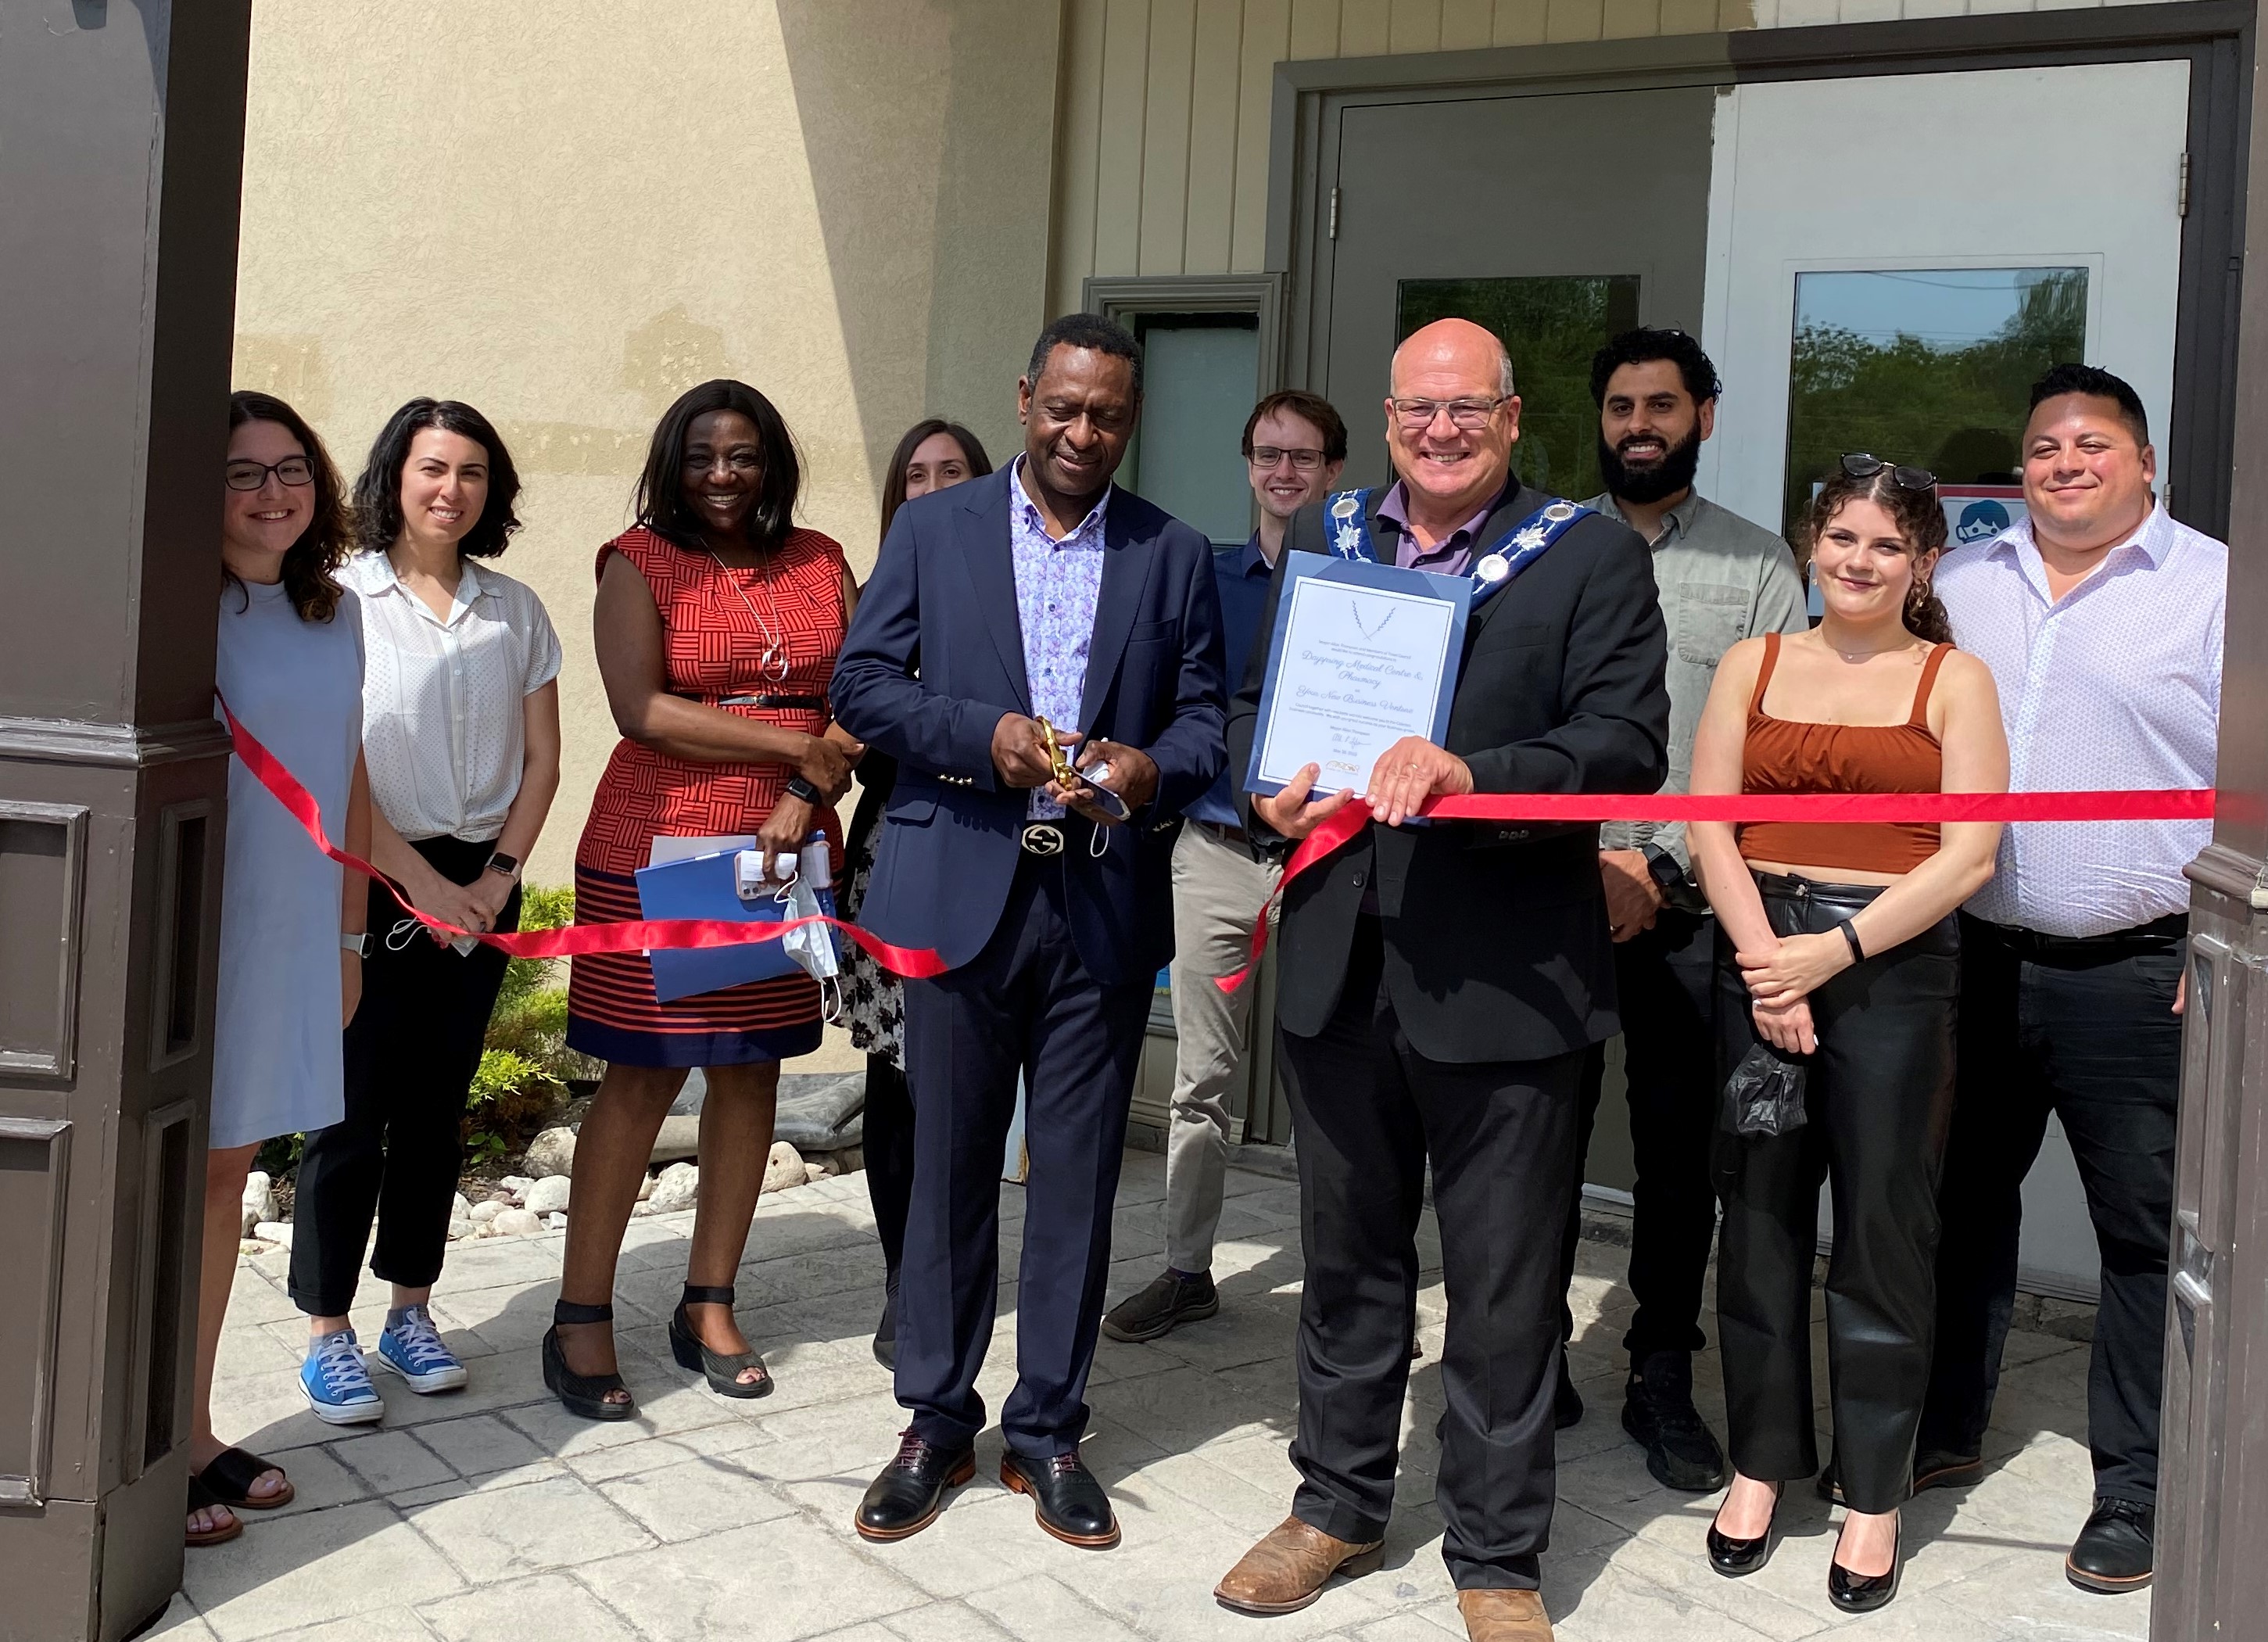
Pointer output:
1042, 838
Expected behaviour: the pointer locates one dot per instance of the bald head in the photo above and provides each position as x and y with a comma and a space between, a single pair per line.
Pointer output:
1454, 349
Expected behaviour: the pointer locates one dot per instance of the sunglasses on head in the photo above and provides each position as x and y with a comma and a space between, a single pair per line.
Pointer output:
1861, 465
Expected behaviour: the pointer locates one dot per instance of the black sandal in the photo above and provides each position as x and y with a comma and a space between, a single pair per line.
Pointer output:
583, 1396
202, 1498
722, 1372
229, 1476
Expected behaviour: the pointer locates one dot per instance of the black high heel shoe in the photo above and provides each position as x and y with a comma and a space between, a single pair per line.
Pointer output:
722, 1372
583, 1396
1736, 1558
1863, 1592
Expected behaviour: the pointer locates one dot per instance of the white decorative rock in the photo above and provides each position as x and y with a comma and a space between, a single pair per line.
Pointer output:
259, 1201
274, 1231
783, 1168
252, 1246
812, 1173
547, 1196
678, 1187
516, 1223
645, 1187
557, 1221
460, 1229
483, 1213
551, 1153
515, 1184
639, 1211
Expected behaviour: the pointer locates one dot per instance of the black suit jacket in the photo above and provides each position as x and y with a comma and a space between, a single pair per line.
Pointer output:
1496, 937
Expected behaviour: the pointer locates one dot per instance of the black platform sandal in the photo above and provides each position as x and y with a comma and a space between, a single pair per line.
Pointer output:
583, 1396
723, 1372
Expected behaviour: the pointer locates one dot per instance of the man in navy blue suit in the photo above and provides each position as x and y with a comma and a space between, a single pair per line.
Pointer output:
1042, 594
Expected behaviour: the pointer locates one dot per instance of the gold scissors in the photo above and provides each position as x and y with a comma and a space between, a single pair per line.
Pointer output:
1059, 757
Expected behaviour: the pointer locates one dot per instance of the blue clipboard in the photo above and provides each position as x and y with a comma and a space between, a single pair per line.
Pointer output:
1313, 569
701, 886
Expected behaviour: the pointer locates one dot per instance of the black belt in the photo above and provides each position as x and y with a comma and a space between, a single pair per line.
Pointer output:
813, 703
1226, 833
2155, 936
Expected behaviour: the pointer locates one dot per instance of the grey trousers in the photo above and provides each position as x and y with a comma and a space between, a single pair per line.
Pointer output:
1218, 890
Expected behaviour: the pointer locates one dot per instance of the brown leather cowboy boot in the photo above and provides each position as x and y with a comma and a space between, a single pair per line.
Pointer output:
1289, 1567
1504, 1616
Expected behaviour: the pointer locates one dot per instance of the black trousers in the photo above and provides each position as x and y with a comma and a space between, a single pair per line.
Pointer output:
1666, 977
1027, 1004
887, 1141
1371, 1113
411, 1050
2085, 1029
1879, 1098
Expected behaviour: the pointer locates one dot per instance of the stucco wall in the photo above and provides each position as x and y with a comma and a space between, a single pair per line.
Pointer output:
567, 212
1163, 151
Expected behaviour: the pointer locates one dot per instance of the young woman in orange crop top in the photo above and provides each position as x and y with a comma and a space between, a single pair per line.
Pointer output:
1836, 943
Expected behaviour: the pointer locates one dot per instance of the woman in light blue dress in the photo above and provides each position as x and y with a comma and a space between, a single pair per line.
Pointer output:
289, 667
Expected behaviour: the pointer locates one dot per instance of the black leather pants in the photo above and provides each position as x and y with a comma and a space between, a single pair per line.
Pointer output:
1880, 1100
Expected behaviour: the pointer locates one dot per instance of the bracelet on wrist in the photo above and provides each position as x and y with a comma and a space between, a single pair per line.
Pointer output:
799, 788
1858, 952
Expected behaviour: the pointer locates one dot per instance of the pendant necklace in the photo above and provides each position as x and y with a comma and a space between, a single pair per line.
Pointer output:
772, 664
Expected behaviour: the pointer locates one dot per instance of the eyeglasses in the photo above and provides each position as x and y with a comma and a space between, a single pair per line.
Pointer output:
1861, 465
250, 476
1471, 415
1269, 455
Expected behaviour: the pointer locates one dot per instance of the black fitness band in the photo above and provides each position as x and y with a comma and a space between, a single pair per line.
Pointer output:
1858, 953
799, 788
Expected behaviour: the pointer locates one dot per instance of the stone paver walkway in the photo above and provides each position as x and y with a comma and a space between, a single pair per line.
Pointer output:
492, 1515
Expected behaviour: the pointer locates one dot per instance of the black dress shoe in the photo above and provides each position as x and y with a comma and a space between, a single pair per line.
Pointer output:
1566, 1402
906, 1498
1933, 1469
2113, 1553
1863, 1592
1736, 1557
1681, 1450
1170, 1300
1066, 1500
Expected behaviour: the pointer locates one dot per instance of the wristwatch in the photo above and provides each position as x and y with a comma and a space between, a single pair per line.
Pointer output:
799, 788
509, 865
360, 944
1678, 890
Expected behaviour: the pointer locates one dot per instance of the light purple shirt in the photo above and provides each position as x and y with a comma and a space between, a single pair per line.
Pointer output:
2117, 685
1453, 555
1057, 584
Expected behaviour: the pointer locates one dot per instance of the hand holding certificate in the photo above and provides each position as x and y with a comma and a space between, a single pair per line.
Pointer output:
1361, 668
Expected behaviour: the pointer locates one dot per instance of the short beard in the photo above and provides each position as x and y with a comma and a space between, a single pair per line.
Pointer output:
1655, 481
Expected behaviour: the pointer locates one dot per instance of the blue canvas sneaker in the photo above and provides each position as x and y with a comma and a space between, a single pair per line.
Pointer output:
412, 1348
337, 1384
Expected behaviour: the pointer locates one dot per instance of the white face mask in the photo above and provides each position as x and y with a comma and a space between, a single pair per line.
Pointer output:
795, 883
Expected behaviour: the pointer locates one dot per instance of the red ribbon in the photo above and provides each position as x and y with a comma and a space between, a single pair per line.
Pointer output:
2186, 805
647, 935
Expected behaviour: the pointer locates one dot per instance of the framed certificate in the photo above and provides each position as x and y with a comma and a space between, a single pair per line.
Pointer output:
1363, 654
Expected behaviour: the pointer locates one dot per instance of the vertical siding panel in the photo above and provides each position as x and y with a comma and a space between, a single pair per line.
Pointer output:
1523, 22
1366, 27
1213, 86
1165, 137
1732, 14
1467, 24
1577, 19
1118, 198
1314, 28
1629, 19
1076, 179
1267, 41
1415, 25
1697, 17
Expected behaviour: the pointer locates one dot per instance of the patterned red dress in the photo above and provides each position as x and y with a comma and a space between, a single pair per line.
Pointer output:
713, 641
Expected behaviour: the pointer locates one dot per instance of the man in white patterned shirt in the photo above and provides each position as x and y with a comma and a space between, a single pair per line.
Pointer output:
2101, 618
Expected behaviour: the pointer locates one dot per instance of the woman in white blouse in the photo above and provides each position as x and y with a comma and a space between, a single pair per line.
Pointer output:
461, 730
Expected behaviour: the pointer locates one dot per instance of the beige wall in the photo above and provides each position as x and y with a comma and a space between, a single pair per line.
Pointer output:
1162, 154
567, 212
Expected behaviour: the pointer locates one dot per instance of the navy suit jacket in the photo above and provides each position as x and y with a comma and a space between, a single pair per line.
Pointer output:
935, 656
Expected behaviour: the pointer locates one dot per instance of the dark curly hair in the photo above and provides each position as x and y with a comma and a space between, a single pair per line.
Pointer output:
1920, 521
1646, 344
660, 504
894, 484
378, 493
309, 563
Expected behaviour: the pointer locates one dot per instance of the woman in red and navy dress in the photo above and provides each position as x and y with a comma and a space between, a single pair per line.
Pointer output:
717, 626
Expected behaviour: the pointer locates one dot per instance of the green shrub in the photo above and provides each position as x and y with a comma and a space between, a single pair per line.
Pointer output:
510, 1095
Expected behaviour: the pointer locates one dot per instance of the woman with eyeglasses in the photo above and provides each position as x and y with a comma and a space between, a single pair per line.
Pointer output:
716, 628
292, 920
461, 730
1838, 951
934, 455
